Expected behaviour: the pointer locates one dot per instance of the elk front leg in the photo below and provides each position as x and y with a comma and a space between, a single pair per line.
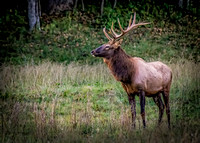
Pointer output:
133, 108
142, 105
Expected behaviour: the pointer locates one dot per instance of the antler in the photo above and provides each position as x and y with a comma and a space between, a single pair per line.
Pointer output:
116, 36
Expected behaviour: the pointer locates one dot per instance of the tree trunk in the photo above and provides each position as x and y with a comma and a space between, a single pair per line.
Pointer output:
180, 3
75, 5
102, 5
83, 7
115, 2
188, 3
34, 12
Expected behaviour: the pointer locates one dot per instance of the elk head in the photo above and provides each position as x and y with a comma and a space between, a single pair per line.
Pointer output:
107, 50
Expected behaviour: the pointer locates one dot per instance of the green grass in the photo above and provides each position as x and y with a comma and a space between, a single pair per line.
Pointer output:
83, 103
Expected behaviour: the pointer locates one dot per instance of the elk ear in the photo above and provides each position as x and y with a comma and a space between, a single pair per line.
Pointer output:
118, 43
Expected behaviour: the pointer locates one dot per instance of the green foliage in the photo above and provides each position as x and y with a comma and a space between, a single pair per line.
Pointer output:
171, 35
12, 26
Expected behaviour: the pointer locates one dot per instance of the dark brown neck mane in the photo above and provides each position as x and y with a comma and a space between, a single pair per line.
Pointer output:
121, 66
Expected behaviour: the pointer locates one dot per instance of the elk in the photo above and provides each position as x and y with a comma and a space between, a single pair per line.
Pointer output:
145, 79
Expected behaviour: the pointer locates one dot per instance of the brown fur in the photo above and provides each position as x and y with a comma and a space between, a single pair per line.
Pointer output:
127, 70
140, 78
121, 66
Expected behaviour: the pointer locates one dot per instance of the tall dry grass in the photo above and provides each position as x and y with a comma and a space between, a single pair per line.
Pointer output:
31, 78
51, 102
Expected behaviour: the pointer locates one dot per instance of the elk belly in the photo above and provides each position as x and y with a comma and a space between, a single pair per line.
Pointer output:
153, 84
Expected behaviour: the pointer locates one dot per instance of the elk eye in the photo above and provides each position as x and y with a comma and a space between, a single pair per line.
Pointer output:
107, 48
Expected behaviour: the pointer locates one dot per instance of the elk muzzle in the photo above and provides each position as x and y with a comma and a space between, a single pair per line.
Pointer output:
92, 52
96, 52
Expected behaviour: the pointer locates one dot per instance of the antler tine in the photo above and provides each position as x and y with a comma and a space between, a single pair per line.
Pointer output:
130, 21
113, 32
120, 26
133, 25
134, 19
136, 25
115, 36
106, 34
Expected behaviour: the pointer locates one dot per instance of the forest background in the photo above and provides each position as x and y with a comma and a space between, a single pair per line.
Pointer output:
53, 90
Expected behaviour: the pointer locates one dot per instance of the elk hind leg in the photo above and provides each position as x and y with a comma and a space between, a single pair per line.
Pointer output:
157, 99
166, 101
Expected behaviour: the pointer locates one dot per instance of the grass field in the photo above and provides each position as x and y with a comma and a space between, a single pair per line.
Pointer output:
52, 102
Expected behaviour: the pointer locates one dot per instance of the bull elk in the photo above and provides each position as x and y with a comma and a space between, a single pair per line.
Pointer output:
137, 77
